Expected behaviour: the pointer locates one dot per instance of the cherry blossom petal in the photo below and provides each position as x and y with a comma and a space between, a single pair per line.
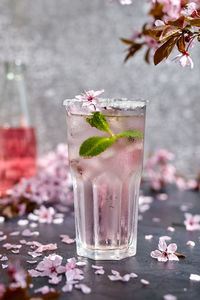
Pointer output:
166, 237
44, 290
97, 267
23, 222
84, 288
148, 237
190, 243
67, 288
81, 263
162, 259
2, 219
156, 254
170, 228
162, 246
172, 248
55, 279
169, 297
172, 256
195, 277
100, 272
144, 282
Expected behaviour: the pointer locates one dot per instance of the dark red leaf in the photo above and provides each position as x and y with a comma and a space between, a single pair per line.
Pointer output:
165, 50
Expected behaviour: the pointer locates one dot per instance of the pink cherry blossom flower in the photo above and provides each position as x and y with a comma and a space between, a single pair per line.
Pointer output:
89, 97
189, 10
192, 222
44, 214
151, 43
184, 59
165, 252
17, 275
50, 266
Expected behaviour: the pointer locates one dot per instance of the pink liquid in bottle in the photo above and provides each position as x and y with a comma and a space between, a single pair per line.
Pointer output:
17, 155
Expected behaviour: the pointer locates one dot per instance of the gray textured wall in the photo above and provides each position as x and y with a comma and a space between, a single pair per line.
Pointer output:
71, 46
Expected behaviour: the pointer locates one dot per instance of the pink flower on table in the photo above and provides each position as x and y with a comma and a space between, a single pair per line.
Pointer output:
184, 59
73, 275
192, 222
18, 276
117, 277
165, 252
50, 266
89, 97
44, 214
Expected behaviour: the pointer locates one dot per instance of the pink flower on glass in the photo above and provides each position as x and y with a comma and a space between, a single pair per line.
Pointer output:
165, 252
185, 59
89, 97
192, 222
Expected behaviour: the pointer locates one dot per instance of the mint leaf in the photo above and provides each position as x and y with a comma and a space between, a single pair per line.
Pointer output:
98, 120
95, 145
135, 134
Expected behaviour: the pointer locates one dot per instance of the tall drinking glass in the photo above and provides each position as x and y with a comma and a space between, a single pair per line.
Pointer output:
106, 186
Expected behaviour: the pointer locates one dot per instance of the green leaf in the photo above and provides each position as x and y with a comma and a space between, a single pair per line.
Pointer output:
95, 145
135, 134
98, 120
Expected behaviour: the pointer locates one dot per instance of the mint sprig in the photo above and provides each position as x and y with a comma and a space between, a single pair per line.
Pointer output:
96, 145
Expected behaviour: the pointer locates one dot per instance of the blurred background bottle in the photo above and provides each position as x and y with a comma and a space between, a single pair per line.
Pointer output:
17, 137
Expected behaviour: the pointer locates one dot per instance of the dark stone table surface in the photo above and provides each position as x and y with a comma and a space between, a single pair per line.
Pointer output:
164, 278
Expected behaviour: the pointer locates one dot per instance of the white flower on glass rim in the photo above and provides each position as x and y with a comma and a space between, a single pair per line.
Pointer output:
89, 97
192, 222
165, 252
185, 59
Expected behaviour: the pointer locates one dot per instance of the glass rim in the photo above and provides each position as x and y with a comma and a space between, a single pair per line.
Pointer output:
120, 103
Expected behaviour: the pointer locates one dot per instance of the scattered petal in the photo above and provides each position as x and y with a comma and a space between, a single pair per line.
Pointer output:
195, 277
84, 288
23, 222
97, 267
2, 219
2, 238
81, 263
99, 272
166, 237
148, 237
44, 290
171, 229
144, 282
169, 297
162, 197
14, 233
190, 243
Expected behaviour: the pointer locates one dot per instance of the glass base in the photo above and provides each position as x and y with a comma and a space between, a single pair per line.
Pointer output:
107, 254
